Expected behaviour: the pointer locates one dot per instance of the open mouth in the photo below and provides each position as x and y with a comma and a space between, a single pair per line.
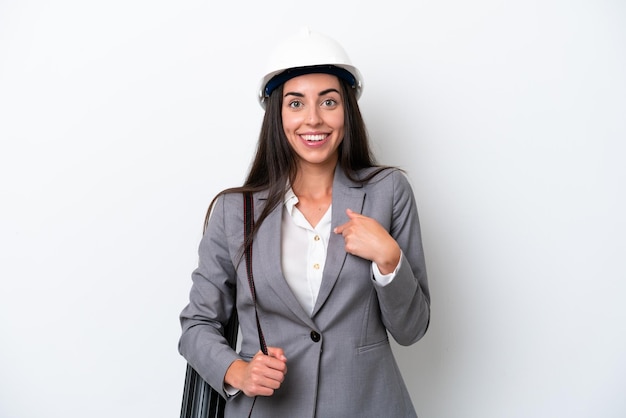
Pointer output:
314, 138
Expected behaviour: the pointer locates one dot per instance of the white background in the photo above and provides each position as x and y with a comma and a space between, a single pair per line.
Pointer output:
120, 120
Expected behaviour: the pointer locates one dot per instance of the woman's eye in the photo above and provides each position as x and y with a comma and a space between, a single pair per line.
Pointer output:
329, 102
295, 104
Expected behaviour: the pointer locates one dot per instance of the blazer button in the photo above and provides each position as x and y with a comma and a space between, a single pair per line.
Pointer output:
315, 336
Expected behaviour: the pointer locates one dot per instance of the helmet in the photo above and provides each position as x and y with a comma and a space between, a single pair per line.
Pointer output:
308, 52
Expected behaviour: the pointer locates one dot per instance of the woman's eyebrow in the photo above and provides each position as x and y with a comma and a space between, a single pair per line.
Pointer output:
329, 91
293, 93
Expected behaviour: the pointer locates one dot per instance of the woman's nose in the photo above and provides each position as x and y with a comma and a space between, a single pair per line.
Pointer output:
314, 117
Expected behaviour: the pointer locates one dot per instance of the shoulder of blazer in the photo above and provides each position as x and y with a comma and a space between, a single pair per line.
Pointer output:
385, 173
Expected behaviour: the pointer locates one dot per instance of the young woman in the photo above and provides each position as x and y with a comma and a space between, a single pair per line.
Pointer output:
338, 262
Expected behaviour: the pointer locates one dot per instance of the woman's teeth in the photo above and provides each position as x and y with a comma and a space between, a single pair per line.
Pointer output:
314, 138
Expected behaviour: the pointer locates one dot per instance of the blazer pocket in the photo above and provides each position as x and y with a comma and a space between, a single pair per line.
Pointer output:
369, 347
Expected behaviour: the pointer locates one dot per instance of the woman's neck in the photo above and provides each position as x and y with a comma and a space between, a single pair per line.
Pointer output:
315, 194
314, 183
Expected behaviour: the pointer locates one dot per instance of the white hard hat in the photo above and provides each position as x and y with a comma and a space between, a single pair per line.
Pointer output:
305, 53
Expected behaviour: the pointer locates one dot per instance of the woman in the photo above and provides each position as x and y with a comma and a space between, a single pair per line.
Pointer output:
338, 261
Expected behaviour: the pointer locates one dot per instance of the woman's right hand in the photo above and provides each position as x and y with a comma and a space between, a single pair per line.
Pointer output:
260, 376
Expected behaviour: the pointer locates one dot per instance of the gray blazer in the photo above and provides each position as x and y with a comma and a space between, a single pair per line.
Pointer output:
340, 363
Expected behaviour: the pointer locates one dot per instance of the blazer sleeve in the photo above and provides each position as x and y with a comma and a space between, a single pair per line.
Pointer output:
211, 300
405, 302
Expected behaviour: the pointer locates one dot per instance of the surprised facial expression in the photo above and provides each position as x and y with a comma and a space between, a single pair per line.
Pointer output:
313, 118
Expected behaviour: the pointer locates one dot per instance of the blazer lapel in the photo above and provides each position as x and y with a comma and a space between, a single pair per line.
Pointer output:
346, 195
267, 258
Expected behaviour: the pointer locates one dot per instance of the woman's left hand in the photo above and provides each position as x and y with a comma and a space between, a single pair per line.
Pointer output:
366, 238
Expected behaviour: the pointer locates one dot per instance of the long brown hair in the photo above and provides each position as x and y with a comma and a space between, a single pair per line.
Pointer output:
274, 165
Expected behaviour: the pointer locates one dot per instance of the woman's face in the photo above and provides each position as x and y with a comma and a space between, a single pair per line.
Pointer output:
313, 120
